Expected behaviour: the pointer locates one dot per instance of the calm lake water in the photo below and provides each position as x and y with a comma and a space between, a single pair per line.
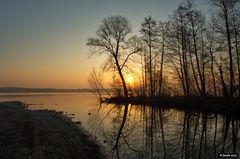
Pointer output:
142, 132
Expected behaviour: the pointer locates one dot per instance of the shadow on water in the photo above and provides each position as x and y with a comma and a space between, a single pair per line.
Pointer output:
150, 132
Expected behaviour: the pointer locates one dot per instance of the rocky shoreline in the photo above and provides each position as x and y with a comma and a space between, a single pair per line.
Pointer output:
43, 134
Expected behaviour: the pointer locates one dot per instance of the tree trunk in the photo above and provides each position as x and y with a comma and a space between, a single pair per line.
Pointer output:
184, 60
197, 58
194, 72
181, 70
212, 63
238, 58
125, 90
161, 67
203, 66
224, 88
150, 68
229, 52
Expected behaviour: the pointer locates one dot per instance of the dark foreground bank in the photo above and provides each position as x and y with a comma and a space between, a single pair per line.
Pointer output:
43, 134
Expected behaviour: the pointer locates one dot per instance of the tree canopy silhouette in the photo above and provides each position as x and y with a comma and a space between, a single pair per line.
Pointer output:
111, 39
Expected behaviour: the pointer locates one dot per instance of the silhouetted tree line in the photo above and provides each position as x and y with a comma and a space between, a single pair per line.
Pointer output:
186, 55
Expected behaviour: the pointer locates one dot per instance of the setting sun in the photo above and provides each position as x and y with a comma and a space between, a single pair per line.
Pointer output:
130, 79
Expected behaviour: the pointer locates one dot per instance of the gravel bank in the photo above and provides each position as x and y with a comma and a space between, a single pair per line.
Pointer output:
43, 134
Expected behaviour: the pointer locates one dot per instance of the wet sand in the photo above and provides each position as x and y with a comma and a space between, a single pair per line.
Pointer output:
43, 134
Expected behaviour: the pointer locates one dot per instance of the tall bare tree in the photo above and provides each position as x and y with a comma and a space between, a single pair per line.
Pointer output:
149, 31
235, 22
111, 40
163, 31
224, 14
180, 39
210, 47
196, 22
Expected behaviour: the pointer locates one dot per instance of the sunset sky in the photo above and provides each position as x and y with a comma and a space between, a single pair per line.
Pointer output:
43, 43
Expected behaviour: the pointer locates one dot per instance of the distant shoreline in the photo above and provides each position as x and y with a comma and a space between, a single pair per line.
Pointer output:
43, 90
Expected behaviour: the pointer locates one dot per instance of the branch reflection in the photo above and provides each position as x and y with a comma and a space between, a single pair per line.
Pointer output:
149, 132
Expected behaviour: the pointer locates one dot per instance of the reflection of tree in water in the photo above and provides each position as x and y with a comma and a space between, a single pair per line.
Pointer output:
204, 135
148, 132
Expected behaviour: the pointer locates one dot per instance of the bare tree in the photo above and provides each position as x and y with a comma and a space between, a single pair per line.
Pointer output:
149, 30
95, 81
196, 22
224, 14
210, 45
180, 39
235, 22
163, 31
111, 40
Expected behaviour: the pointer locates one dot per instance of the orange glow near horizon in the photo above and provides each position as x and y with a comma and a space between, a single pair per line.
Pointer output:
130, 79
43, 44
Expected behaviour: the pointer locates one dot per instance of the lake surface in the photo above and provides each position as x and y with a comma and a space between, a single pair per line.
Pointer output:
142, 132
